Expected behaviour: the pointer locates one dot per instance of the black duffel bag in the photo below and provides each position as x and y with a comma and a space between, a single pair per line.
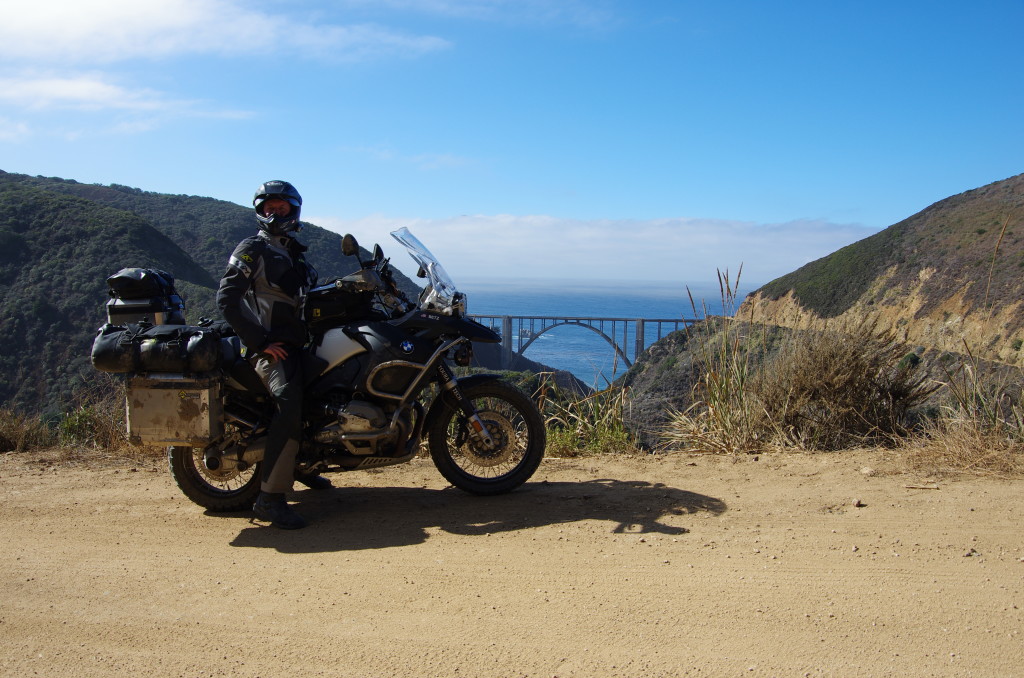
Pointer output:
155, 348
141, 283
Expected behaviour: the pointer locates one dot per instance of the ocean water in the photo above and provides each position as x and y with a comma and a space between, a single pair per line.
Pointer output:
577, 349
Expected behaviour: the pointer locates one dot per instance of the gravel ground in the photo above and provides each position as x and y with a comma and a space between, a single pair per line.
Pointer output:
780, 565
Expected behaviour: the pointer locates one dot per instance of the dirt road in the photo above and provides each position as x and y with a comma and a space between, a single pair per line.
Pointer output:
599, 567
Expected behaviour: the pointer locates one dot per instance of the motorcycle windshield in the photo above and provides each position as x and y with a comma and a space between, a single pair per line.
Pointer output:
439, 280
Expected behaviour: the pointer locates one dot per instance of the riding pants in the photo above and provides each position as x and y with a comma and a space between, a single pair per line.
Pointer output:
283, 378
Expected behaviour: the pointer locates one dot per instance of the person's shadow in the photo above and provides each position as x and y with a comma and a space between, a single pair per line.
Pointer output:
377, 517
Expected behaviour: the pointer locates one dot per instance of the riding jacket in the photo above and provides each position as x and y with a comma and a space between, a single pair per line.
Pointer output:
263, 290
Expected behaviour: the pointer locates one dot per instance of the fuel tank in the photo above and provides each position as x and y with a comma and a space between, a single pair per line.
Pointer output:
336, 347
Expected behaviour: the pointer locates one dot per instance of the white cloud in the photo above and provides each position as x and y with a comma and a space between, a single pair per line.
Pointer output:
105, 31
83, 92
683, 250
586, 13
13, 130
100, 32
138, 109
423, 161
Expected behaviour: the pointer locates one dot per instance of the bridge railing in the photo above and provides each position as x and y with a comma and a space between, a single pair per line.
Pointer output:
623, 334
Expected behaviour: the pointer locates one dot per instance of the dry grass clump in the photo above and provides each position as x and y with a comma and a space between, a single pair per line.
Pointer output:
20, 433
723, 418
978, 427
835, 386
832, 388
955, 449
98, 420
93, 427
585, 424
828, 387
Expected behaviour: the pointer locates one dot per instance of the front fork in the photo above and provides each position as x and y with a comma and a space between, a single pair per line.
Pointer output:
477, 430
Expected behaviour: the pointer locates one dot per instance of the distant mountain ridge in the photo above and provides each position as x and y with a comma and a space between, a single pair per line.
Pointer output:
951, 274
205, 228
60, 240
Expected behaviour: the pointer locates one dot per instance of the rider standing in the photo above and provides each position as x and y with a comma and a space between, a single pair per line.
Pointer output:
261, 296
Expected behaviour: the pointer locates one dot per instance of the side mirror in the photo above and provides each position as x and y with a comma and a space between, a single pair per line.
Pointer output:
378, 253
421, 273
349, 246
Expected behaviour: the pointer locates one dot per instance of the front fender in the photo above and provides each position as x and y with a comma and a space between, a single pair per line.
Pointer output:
479, 332
440, 405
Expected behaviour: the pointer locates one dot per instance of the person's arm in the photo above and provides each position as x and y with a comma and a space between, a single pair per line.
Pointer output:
234, 285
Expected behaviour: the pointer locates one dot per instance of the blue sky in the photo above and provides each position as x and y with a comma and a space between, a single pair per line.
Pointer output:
615, 139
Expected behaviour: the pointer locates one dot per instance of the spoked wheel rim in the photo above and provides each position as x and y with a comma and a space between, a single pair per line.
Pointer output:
224, 479
513, 422
225, 489
507, 428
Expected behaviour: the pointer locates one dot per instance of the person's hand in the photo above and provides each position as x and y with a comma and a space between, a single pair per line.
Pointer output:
276, 351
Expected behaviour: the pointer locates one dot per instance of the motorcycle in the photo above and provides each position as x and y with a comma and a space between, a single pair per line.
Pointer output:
379, 383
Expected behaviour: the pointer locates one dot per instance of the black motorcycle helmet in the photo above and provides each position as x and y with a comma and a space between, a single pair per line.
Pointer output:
274, 224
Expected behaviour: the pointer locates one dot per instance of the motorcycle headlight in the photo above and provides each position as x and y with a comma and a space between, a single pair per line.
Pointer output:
463, 355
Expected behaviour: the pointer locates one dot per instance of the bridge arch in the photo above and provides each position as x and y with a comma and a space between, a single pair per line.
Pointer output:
519, 332
611, 341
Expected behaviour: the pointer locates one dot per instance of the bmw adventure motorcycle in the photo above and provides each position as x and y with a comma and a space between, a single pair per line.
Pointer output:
379, 382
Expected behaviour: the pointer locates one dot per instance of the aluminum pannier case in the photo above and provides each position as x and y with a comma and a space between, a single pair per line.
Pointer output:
174, 409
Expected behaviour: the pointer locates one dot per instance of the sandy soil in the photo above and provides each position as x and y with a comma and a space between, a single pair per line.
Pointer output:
788, 565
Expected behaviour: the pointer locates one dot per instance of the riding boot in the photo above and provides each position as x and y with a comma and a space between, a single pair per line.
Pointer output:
272, 507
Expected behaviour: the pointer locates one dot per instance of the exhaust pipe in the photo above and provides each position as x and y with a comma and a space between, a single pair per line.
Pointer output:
211, 459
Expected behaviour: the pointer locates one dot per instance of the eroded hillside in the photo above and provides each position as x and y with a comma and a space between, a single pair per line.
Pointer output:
947, 278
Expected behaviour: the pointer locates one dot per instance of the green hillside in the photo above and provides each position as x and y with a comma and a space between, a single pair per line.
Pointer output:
204, 228
954, 241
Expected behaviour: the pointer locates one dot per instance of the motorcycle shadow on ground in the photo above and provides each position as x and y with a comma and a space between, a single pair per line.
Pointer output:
356, 518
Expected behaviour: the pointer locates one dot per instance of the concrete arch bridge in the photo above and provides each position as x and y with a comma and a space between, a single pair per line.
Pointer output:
629, 337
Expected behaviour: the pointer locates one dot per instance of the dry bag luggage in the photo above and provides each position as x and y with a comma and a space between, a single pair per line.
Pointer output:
156, 348
144, 295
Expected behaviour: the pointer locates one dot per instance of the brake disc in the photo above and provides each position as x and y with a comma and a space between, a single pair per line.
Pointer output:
502, 433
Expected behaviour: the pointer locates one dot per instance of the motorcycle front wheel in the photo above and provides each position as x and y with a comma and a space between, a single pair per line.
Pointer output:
515, 425
225, 490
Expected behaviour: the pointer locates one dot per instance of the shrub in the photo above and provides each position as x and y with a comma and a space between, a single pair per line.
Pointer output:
954, 446
97, 421
825, 388
723, 416
20, 433
831, 388
580, 424
979, 423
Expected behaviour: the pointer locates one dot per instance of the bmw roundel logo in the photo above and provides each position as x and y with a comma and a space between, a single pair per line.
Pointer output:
406, 346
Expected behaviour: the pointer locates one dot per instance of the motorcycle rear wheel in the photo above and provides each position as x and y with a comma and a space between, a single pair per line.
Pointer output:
234, 491
514, 423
